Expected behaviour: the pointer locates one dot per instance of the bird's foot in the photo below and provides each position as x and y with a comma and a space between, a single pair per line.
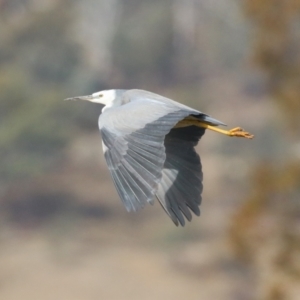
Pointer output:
240, 132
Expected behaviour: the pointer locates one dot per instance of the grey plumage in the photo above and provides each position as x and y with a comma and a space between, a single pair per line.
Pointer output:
147, 158
148, 155
181, 185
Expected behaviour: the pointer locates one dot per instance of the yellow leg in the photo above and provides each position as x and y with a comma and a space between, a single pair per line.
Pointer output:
237, 131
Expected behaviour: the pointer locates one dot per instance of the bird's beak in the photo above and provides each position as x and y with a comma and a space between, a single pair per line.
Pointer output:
86, 98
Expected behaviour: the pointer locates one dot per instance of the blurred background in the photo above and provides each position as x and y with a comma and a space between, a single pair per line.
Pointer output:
64, 233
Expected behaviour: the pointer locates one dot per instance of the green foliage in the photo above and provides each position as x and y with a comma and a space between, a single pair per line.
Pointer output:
37, 62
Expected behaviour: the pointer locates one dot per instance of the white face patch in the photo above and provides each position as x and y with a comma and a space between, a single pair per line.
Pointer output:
104, 97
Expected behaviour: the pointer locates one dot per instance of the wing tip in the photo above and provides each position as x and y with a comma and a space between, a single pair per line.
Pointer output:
180, 218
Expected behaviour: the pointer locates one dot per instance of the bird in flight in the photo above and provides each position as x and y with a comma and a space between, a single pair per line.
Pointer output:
149, 146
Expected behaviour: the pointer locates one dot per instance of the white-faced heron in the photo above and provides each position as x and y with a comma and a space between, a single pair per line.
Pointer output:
149, 146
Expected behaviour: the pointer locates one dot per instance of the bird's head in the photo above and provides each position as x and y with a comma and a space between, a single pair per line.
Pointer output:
106, 98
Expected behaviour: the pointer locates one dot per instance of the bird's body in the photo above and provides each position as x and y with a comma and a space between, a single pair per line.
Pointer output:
148, 144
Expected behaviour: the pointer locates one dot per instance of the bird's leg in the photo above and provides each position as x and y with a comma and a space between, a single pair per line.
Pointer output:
237, 131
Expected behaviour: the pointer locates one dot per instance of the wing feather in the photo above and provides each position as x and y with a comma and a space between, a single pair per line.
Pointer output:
181, 184
135, 159
147, 157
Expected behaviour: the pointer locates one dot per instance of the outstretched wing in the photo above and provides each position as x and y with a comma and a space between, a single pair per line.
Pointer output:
133, 136
135, 149
180, 188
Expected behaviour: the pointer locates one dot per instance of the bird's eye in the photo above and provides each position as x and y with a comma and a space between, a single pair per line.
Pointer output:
101, 95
